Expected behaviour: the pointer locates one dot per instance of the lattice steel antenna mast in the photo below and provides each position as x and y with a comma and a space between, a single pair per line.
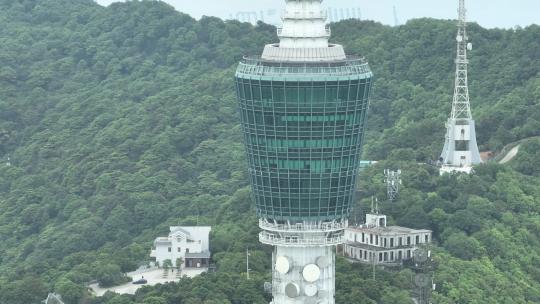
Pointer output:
461, 107
460, 150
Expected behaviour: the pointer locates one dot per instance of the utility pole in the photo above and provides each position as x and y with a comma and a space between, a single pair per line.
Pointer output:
373, 265
247, 262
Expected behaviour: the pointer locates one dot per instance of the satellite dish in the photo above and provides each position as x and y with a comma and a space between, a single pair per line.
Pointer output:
420, 256
459, 38
422, 280
292, 290
322, 262
311, 290
283, 265
268, 287
469, 46
310, 301
311, 273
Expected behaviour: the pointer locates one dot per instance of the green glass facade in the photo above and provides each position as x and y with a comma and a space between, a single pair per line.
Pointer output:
303, 128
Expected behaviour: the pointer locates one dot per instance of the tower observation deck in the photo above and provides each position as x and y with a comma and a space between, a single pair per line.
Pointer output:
303, 106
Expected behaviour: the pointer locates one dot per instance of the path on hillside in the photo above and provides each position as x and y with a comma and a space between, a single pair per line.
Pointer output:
510, 155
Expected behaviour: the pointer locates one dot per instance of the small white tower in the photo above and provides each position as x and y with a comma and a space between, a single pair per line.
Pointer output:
460, 150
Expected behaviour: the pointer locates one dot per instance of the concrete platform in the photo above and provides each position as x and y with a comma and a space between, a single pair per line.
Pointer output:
154, 276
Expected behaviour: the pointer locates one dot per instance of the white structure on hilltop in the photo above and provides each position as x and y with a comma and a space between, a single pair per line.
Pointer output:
190, 244
460, 150
53, 298
379, 244
304, 35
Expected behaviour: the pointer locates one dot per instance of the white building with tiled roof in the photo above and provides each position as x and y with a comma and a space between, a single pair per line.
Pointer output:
191, 244
376, 243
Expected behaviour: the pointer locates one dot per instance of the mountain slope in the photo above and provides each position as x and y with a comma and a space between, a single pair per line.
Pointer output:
121, 121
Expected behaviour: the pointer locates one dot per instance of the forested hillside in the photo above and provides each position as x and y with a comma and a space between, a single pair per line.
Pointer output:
121, 121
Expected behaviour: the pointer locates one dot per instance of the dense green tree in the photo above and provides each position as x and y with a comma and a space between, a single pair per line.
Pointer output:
71, 293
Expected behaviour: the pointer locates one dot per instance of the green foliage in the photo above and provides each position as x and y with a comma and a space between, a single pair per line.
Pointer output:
71, 292
109, 275
28, 290
121, 121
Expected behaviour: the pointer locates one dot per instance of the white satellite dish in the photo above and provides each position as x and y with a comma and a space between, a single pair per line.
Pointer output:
469, 46
311, 273
459, 38
283, 265
310, 290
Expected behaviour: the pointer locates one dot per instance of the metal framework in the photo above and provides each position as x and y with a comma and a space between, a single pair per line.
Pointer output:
393, 182
460, 150
303, 107
461, 107
423, 267
53, 298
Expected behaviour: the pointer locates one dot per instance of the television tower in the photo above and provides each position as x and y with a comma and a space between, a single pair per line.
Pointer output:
303, 107
460, 150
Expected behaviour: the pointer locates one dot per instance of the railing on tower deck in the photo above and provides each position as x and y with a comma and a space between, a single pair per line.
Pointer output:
281, 33
303, 227
305, 15
346, 67
268, 238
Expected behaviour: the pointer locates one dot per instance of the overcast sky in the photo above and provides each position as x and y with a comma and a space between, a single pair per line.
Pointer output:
489, 13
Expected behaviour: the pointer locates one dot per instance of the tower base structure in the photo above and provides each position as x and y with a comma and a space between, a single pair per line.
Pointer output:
460, 150
303, 260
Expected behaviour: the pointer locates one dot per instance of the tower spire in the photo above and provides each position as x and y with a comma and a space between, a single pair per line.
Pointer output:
304, 25
460, 150
304, 35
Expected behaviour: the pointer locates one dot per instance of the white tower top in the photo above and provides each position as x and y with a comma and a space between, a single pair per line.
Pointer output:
304, 25
304, 35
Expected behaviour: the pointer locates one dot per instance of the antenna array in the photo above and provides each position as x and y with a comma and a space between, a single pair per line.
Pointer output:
393, 183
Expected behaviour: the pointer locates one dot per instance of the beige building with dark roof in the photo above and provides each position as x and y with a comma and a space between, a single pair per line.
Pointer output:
376, 243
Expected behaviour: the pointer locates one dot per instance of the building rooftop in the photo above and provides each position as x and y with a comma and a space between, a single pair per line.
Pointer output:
162, 240
389, 230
